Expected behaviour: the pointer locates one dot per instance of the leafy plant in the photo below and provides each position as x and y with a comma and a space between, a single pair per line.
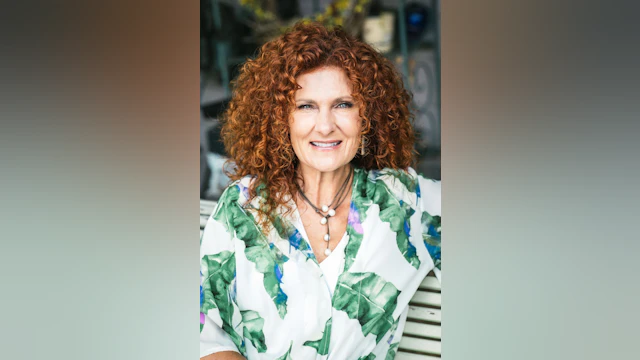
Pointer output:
266, 23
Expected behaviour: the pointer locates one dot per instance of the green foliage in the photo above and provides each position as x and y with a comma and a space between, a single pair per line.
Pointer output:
335, 13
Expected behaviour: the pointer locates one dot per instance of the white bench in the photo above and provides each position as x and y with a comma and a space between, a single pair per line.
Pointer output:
422, 335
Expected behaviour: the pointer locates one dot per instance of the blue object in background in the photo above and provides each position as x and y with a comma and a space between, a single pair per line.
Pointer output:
416, 18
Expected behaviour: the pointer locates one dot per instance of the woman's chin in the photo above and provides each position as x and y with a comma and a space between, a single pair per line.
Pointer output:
327, 167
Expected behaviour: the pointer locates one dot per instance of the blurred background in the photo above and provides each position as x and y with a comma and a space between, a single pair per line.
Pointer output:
231, 31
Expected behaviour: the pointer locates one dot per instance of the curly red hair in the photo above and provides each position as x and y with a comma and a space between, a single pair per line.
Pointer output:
255, 127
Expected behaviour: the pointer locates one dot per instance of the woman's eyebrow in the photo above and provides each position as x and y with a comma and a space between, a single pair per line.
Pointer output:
336, 100
340, 98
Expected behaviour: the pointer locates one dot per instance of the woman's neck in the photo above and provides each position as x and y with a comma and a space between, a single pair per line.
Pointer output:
322, 187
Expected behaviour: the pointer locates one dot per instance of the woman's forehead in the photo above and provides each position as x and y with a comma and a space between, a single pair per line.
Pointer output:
324, 80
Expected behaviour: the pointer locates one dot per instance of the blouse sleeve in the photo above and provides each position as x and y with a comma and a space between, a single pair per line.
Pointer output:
429, 200
396, 334
220, 318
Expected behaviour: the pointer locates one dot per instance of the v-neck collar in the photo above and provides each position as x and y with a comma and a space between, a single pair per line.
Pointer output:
296, 220
297, 223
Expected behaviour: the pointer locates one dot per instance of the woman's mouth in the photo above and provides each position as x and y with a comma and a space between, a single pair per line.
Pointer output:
326, 144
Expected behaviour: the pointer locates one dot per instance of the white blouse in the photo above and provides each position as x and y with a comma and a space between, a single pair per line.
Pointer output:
267, 297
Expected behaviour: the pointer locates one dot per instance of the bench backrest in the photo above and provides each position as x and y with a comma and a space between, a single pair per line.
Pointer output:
422, 335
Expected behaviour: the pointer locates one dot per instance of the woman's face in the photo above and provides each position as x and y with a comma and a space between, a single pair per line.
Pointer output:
325, 124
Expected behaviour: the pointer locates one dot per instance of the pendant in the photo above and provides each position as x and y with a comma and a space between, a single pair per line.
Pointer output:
326, 237
323, 220
327, 252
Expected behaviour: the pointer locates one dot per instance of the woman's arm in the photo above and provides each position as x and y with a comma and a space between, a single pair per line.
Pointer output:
224, 355
220, 317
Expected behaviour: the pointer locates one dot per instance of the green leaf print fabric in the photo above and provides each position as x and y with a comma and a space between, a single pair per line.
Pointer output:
431, 236
264, 294
409, 181
218, 273
287, 355
253, 324
397, 213
369, 299
367, 357
322, 345
430, 219
357, 214
267, 259
391, 353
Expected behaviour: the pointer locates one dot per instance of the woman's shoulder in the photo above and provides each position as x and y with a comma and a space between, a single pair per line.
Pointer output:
408, 179
237, 192
407, 185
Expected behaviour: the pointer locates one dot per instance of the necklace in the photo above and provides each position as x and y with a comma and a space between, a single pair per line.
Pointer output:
327, 211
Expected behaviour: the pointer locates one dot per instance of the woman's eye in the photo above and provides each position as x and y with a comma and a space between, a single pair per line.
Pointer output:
345, 105
305, 107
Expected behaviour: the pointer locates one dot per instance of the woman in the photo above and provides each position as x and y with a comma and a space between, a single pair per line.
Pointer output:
316, 248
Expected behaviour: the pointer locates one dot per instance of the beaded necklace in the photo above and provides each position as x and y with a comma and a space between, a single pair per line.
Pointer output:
327, 211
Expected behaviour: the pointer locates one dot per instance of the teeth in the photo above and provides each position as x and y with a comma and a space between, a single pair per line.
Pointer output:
325, 144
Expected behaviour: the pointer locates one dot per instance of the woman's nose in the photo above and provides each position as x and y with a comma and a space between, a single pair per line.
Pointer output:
326, 122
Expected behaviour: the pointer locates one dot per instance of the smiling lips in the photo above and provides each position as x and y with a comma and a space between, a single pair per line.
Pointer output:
326, 144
